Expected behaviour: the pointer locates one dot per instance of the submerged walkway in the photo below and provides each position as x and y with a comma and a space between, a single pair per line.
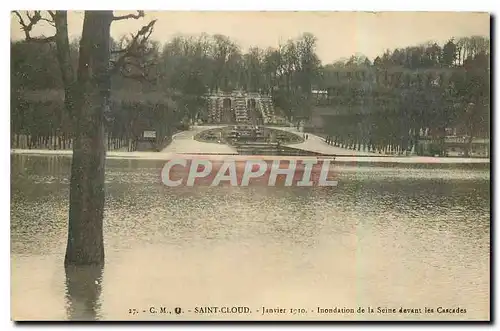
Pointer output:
184, 142
318, 145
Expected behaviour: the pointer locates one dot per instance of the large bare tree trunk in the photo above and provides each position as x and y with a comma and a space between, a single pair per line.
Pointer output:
86, 99
85, 231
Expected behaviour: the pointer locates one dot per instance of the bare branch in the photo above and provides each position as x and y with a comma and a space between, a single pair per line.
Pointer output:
140, 14
131, 59
36, 16
136, 47
50, 21
33, 20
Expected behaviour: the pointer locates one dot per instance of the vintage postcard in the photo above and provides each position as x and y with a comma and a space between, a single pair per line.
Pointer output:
257, 166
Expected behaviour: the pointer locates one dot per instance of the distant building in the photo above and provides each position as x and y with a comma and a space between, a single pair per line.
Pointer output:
453, 145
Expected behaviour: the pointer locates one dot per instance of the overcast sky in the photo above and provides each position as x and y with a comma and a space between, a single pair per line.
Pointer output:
339, 34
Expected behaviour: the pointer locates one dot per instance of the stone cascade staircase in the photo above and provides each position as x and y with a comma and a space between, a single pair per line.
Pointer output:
215, 110
266, 108
254, 116
240, 110
260, 110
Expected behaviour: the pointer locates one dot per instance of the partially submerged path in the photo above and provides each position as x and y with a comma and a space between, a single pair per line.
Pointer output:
317, 144
184, 142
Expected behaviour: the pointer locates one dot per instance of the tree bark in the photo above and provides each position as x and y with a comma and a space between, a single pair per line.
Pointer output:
64, 59
85, 232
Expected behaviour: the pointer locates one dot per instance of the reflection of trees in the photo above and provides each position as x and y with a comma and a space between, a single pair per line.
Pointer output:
83, 289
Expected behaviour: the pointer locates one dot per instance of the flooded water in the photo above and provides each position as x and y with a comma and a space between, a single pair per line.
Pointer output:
385, 237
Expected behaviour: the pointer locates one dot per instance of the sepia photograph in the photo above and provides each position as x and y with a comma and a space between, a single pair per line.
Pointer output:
250, 166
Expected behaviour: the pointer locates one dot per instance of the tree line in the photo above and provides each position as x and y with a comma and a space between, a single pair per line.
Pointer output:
429, 86
186, 68
390, 103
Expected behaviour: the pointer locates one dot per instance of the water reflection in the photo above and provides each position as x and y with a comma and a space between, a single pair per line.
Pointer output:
83, 291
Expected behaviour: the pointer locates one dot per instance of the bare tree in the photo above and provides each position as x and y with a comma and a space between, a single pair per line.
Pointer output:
87, 95
133, 57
